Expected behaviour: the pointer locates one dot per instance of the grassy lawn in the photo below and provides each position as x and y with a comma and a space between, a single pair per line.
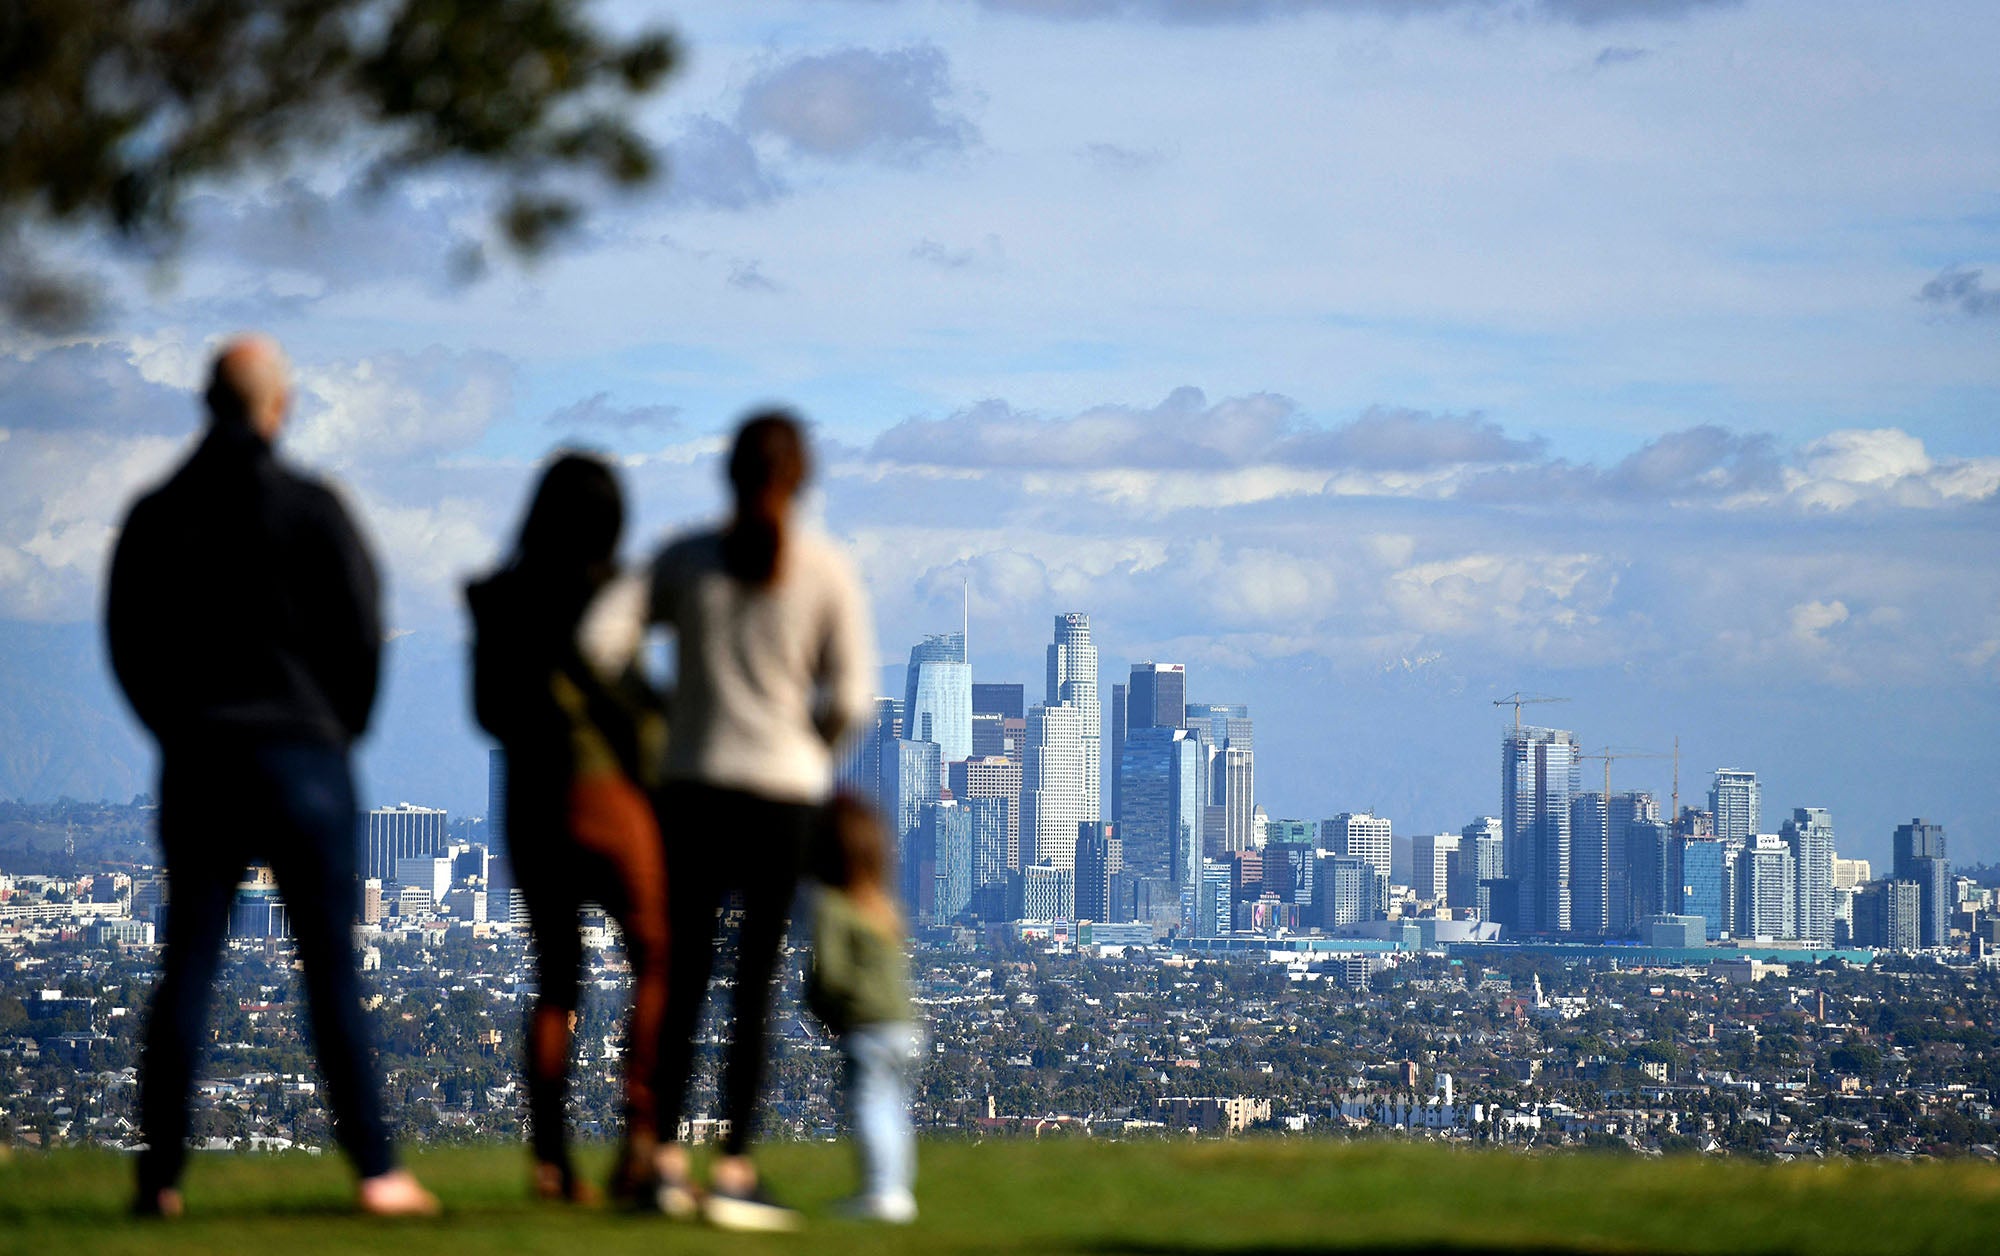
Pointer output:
1143, 1199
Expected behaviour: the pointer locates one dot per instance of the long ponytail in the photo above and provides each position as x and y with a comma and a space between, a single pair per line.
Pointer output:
767, 467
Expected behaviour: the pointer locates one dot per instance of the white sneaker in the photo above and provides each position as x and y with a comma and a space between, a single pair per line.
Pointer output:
892, 1208
755, 1212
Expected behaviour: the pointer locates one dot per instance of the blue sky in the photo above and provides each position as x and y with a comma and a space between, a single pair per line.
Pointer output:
1375, 360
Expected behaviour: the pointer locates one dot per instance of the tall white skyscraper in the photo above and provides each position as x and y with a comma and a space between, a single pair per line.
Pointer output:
1058, 774
1810, 835
1062, 768
1737, 805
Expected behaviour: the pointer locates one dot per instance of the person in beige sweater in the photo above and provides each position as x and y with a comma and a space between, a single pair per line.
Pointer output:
774, 662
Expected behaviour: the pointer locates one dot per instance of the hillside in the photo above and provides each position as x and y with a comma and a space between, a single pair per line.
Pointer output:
1143, 1199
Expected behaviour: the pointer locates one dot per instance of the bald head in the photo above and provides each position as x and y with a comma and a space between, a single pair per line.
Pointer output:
251, 385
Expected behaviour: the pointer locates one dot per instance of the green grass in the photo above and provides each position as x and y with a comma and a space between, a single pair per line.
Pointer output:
1131, 1199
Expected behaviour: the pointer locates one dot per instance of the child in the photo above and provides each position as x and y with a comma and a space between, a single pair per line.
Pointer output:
860, 989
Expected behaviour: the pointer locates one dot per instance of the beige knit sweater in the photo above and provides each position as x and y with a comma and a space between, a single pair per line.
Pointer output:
767, 680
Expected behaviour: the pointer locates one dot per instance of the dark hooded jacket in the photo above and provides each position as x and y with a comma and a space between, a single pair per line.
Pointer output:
242, 604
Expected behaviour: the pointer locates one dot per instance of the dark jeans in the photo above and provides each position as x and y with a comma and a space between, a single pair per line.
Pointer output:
290, 805
718, 841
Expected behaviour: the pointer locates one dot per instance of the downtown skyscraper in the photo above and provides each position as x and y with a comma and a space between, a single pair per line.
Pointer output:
1539, 776
1062, 771
937, 696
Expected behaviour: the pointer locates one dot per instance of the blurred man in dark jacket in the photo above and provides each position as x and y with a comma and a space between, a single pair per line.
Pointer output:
244, 627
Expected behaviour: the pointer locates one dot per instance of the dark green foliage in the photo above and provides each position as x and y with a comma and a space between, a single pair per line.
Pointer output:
111, 113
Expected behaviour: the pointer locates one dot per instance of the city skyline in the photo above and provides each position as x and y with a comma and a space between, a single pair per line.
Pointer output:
1640, 353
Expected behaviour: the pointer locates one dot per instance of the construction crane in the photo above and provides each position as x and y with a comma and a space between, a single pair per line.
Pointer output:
1517, 700
1610, 753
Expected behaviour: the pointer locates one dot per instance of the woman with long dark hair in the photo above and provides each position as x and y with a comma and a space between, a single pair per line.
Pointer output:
579, 825
774, 663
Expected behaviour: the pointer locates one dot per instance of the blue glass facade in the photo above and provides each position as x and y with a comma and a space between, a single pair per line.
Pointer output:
1705, 884
937, 696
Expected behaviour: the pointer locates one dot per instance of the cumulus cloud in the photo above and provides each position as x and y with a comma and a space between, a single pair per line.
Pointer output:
859, 102
1810, 620
599, 411
62, 496
391, 406
1885, 465
1964, 290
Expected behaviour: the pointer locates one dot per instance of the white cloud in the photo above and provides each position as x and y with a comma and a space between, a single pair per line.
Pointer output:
1810, 620
394, 406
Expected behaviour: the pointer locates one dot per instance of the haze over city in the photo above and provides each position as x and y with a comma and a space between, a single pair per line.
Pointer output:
1373, 366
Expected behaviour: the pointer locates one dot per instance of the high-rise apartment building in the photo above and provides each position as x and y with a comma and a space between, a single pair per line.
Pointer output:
1360, 834
1737, 805
997, 778
1767, 889
937, 695
1809, 833
401, 832
1430, 866
1920, 856
1539, 775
